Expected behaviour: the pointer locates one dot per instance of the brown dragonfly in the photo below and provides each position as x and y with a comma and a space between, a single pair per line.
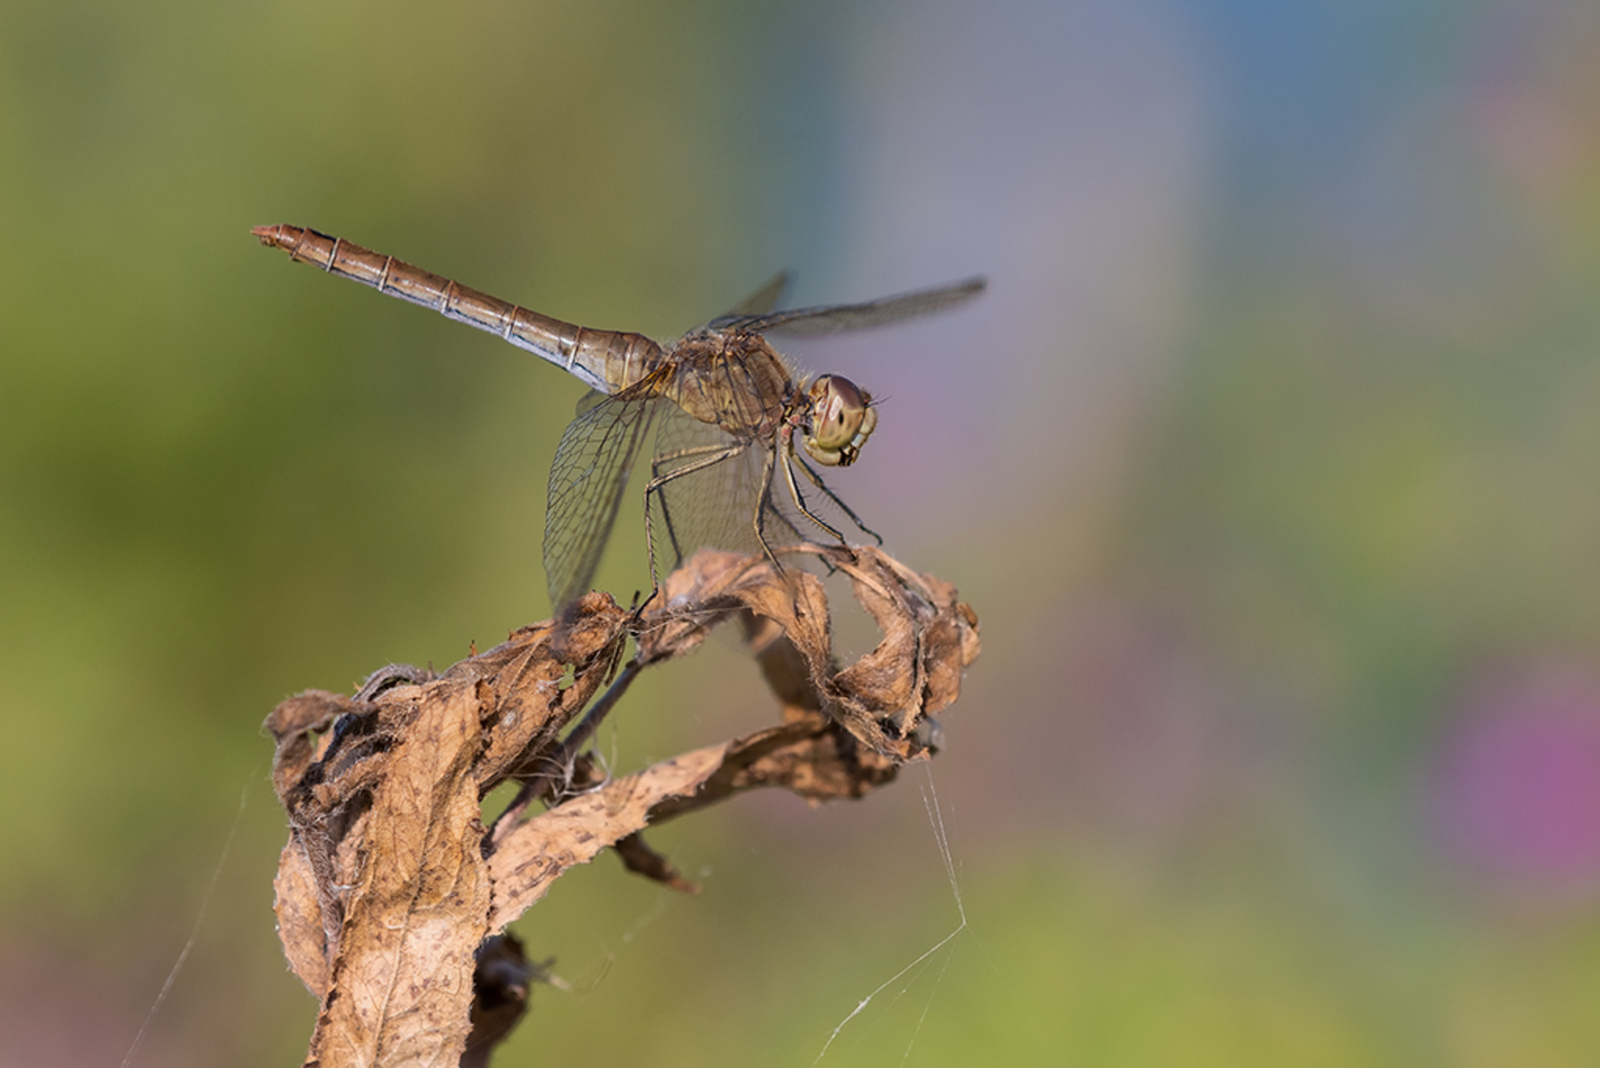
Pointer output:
727, 408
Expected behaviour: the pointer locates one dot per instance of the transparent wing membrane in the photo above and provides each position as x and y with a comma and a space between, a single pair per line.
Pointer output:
762, 300
713, 486
587, 479
837, 318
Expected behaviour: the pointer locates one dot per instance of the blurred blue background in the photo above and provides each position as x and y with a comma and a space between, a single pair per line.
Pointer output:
1270, 463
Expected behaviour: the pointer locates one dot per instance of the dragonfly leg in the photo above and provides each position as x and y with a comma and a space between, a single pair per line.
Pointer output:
764, 505
703, 456
656, 463
800, 501
816, 480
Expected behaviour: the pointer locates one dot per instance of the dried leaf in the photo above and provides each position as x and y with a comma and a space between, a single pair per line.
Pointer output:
389, 884
297, 901
640, 859
535, 854
401, 982
929, 637
383, 893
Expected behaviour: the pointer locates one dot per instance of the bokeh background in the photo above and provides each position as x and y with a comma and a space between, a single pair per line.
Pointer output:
1270, 462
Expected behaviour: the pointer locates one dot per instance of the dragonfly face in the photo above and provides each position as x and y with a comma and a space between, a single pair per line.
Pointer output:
841, 420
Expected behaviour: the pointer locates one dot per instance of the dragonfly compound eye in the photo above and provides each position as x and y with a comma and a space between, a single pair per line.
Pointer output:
842, 418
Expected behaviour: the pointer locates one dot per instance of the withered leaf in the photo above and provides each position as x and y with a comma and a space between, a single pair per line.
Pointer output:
389, 884
401, 982
574, 832
929, 637
383, 893
640, 859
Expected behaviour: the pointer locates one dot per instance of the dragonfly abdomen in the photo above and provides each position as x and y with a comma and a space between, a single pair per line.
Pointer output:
606, 360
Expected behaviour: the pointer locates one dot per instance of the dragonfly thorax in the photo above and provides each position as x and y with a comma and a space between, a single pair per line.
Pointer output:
840, 418
734, 381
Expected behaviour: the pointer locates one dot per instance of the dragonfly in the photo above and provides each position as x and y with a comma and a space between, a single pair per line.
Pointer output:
734, 421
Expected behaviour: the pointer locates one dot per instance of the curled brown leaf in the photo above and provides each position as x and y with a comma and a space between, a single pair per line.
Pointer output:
390, 884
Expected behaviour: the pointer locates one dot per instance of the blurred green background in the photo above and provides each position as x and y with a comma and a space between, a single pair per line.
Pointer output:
1270, 464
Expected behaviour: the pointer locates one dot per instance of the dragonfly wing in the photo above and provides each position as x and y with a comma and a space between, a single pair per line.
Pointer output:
587, 479
762, 300
713, 503
837, 318
712, 482
589, 399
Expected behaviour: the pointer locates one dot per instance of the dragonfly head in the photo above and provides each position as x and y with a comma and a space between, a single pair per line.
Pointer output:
841, 419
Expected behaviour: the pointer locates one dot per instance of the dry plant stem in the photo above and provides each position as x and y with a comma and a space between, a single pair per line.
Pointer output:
390, 892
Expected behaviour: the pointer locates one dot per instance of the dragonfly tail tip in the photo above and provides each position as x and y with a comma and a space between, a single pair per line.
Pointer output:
273, 236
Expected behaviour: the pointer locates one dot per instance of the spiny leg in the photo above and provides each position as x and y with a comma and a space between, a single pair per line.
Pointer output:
816, 480
759, 521
774, 512
656, 463
800, 501
710, 455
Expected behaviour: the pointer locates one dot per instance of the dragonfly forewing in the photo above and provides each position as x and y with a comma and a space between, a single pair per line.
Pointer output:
837, 318
762, 300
